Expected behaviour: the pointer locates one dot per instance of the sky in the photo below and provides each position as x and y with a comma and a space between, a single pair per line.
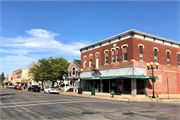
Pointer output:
33, 30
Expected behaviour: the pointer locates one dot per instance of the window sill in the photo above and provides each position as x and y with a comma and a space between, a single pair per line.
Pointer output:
178, 65
124, 61
113, 63
106, 64
141, 61
169, 64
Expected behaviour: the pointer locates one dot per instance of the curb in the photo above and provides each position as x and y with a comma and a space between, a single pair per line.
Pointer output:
121, 99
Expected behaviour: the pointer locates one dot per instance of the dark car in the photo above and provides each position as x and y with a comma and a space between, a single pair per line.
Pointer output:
34, 88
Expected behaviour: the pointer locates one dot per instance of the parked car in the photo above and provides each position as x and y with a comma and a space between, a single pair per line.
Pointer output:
18, 88
9, 86
15, 86
51, 90
34, 88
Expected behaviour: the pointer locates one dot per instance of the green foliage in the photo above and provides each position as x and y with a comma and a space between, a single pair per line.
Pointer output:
49, 69
2, 77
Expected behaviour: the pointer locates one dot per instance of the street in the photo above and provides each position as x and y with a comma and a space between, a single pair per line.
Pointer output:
23, 105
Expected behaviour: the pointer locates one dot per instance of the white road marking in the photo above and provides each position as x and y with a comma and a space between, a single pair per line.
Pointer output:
37, 101
45, 104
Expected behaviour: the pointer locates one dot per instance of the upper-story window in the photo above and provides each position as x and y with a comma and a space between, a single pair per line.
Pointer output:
113, 60
179, 59
18, 76
168, 58
141, 53
90, 63
155, 55
73, 71
69, 73
106, 57
85, 64
11, 78
97, 60
124, 53
117, 55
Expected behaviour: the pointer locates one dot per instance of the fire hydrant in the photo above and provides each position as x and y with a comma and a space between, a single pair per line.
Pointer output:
112, 93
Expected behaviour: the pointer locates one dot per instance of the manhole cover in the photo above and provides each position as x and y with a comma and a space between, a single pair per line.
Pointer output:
128, 113
87, 113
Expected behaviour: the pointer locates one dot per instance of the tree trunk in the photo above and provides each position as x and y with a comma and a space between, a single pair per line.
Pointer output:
52, 83
42, 85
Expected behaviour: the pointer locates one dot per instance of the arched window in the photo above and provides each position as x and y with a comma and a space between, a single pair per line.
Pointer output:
178, 59
117, 55
85, 64
74, 72
112, 52
90, 63
140, 52
124, 50
155, 55
106, 57
97, 60
168, 57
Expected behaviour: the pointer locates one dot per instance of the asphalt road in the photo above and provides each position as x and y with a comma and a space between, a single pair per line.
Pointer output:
22, 105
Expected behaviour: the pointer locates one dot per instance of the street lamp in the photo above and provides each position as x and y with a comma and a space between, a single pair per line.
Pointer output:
78, 71
152, 67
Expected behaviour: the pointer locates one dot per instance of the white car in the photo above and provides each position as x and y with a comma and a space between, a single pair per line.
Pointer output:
51, 90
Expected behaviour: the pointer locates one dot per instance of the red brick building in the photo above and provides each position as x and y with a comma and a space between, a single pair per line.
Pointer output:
121, 61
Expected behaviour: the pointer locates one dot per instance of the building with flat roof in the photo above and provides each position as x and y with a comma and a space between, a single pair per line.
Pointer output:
119, 62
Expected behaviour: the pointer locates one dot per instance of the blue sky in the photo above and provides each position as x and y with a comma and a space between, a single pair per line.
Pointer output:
39, 29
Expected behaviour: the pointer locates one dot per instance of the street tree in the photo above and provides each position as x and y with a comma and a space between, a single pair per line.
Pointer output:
49, 69
58, 68
2, 77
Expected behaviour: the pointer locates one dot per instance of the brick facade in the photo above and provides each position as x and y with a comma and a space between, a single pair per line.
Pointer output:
172, 71
70, 68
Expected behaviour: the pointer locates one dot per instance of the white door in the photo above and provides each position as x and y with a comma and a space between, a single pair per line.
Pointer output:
97, 63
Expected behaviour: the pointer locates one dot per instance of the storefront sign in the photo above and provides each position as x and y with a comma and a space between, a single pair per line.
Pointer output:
95, 77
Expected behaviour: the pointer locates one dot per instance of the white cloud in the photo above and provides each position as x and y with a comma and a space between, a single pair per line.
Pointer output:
41, 41
21, 50
12, 63
41, 33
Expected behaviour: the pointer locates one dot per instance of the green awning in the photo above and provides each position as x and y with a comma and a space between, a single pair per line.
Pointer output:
121, 76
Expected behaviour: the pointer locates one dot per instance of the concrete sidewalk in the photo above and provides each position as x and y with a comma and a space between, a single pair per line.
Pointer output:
120, 97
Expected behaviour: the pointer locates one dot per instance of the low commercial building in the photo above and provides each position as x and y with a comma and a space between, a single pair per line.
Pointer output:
21, 77
119, 63
8, 78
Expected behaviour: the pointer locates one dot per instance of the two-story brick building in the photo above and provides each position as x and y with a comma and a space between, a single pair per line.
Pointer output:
121, 60
20, 76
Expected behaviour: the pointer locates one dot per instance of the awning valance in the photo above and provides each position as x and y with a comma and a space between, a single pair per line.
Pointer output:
72, 78
121, 76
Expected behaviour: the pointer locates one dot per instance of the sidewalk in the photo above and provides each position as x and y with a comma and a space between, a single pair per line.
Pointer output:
120, 97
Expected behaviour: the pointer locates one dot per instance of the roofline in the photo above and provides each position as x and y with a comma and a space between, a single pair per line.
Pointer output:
128, 32
77, 63
20, 69
74, 62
